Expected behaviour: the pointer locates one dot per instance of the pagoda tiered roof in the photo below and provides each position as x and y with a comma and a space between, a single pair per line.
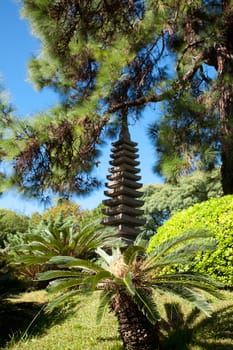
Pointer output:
123, 207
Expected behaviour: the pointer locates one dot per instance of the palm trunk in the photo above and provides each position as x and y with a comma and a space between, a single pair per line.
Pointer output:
136, 332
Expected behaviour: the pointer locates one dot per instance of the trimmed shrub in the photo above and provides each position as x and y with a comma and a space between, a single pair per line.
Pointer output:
215, 214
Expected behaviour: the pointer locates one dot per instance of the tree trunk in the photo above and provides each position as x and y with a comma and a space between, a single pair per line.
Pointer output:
226, 124
221, 58
225, 71
136, 332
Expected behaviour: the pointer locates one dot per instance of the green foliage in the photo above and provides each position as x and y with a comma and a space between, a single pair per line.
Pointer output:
11, 223
162, 201
111, 58
137, 277
30, 251
64, 209
59, 150
6, 124
215, 215
196, 115
10, 283
95, 55
183, 144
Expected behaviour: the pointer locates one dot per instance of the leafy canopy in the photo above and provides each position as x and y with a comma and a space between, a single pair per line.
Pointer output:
162, 201
100, 57
110, 58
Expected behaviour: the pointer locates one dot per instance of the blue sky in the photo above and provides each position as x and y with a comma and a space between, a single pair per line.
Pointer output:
18, 45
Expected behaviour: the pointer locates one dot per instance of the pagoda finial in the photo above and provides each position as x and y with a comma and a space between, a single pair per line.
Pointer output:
124, 133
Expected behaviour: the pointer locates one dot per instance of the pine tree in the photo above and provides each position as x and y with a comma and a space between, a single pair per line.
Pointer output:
110, 58
93, 57
6, 124
196, 130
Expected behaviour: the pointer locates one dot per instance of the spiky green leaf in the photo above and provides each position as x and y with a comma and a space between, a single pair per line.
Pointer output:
52, 274
131, 253
68, 262
188, 235
129, 283
90, 283
30, 259
191, 280
59, 285
194, 297
146, 304
189, 242
61, 299
105, 299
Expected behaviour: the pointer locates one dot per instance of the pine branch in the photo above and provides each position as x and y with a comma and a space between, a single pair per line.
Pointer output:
140, 101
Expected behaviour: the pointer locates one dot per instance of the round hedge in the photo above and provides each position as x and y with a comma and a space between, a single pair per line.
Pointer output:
215, 214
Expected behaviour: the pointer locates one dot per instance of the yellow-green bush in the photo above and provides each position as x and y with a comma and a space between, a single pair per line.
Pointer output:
215, 214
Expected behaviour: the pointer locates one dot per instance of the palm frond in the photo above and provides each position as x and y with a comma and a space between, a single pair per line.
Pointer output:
141, 241
52, 274
146, 304
182, 255
191, 280
105, 298
188, 276
188, 235
30, 259
129, 283
93, 234
131, 253
167, 260
61, 299
69, 262
61, 284
191, 296
63, 237
62, 261
105, 256
33, 245
90, 283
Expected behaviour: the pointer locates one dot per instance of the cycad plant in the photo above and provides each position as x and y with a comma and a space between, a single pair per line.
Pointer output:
128, 278
63, 236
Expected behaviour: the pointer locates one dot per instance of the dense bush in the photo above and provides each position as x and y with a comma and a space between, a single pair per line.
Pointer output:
64, 208
11, 223
215, 214
164, 200
10, 283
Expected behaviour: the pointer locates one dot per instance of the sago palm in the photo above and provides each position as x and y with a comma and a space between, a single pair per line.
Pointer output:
64, 236
128, 277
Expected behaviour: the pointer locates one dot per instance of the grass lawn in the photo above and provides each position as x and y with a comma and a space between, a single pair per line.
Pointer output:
76, 329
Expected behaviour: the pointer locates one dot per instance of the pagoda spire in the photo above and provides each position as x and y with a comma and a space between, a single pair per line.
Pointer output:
123, 207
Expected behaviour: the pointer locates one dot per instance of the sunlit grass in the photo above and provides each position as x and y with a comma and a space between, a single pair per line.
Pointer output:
79, 331
184, 328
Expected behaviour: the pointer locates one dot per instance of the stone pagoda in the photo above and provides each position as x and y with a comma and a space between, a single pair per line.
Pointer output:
123, 207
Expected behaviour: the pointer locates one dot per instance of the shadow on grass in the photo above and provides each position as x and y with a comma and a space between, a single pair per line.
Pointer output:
179, 332
105, 340
18, 319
